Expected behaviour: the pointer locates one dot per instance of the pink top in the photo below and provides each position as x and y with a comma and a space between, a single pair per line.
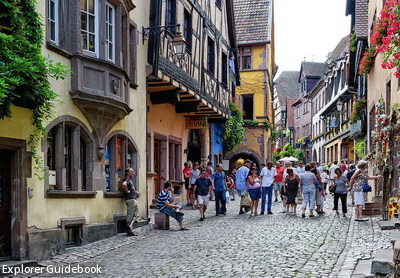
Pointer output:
255, 185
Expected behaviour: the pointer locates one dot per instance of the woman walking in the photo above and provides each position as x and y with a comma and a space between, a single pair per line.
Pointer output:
194, 175
357, 181
308, 181
340, 183
291, 189
254, 189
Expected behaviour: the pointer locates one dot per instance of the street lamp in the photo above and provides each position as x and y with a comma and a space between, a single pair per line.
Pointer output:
339, 105
179, 43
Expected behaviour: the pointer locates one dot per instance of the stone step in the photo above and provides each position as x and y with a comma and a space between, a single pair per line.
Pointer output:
383, 262
396, 251
372, 212
370, 205
387, 225
394, 236
363, 269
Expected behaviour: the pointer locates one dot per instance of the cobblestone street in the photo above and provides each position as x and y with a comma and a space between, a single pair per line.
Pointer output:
275, 245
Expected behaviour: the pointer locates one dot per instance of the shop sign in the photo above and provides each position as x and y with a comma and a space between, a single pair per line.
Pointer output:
196, 123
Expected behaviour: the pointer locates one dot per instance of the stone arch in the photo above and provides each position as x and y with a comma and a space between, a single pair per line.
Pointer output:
244, 154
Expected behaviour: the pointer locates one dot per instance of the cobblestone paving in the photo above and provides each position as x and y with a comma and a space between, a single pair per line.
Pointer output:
235, 245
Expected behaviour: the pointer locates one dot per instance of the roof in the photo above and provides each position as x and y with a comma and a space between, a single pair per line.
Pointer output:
341, 48
253, 21
361, 24
314, 69
287, 86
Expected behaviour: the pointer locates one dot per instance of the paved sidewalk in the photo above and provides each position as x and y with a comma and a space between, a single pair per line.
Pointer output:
235, 245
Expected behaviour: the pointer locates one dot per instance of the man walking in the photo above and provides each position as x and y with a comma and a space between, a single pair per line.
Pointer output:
130, 200
202, 189
241, 177
219, 187
301, 169
268, 175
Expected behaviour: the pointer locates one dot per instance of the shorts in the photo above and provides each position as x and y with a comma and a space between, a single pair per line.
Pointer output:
277, 186
255, 193
187, 183
203, 200
359, 198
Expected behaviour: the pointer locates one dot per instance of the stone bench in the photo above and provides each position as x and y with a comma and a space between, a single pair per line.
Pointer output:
161, 221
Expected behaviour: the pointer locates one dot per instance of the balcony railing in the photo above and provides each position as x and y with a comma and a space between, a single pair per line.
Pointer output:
215, 92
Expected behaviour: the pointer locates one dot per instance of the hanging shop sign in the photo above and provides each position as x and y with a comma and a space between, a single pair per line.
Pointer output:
196, 123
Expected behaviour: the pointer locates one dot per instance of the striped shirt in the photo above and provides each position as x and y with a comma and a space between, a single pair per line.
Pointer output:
162, 198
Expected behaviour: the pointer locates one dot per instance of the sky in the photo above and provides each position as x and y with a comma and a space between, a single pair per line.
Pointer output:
307, 29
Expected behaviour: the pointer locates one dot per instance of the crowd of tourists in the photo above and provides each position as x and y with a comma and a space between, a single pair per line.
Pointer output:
305, 185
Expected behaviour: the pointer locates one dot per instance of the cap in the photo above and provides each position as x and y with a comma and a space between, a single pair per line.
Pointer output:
248, 161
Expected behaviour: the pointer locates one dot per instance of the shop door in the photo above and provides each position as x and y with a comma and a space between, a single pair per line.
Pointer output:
194, 147
157, 168
5, 204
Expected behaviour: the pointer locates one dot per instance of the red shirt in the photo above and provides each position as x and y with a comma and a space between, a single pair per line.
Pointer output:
279, 172
186, 171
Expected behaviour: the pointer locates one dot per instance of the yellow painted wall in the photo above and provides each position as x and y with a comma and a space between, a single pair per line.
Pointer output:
44, 213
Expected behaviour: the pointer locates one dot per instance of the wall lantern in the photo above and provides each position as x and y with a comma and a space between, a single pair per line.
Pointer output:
339, 105
179, 43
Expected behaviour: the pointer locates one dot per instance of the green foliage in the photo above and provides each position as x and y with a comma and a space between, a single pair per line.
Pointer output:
301, 141
275, 134
277, 156
358, 108
360, 148
353, 41
24, 72
299, 154
250, 123
234, 131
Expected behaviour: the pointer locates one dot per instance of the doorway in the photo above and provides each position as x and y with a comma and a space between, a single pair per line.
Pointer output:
157, 168
194, 146
5, 204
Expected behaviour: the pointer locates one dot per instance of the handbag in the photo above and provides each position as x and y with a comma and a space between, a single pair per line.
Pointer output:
319, 186
366, 188
246, 200
332, 188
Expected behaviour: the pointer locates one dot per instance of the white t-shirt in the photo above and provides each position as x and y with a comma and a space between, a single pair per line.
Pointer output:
332, 171
300, 171
324, 177
268, 176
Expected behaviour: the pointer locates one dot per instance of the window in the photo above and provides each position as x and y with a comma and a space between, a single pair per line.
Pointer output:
298, 112
305, 107
247, 102
170, 18
218, 2
175, 161
187, 30
53, 20
120, 153
68, 152
89, 25
210, 56
245, 56
133, 53
224, 70
110, 32
388, 97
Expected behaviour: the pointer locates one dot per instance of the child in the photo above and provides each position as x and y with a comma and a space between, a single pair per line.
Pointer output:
230, 184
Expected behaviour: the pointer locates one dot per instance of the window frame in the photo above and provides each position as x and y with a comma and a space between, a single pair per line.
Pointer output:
245, 55
172, 13
245, 116
187, 29
96, 29
109, 24
211, 55
55, 21
224, 69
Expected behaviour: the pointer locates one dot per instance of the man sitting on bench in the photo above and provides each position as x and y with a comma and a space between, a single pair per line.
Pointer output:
164, 205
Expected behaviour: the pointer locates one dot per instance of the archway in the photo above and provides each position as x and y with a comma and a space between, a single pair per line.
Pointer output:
194, 146
237, 158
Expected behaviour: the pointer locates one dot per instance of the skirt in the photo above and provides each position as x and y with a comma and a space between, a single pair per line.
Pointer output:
255, 193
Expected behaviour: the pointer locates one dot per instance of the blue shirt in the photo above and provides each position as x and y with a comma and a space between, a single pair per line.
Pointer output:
219, 181
162, 198
241, 176
203, 186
